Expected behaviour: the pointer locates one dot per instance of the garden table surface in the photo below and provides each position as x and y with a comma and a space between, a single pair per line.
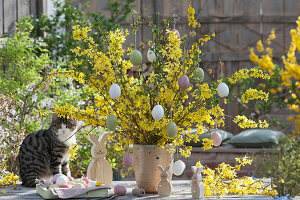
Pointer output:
181, 190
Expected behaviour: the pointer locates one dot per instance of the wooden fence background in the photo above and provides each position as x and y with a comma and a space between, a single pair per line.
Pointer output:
238, 25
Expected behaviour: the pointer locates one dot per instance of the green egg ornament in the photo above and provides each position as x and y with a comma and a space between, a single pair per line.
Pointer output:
136, 58
171, 129
198, 74
111, 122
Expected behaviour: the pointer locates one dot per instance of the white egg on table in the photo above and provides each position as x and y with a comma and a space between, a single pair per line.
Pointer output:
222, 90
62, 180
151, 56
114, 91
178, 167
92, 184
78, 185
158, 112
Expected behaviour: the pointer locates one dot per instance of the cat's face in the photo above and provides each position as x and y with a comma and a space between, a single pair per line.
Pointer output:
64, 128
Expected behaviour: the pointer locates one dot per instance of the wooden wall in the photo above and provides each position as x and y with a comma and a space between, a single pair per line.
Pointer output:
13, 10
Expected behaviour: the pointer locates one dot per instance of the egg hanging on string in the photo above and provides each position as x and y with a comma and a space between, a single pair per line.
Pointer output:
183, 82
222, 90
198, 74
136, 58
216, 138
177, 32
178, 167
111, 122
128, 160
114, 91
151, 56
158, 112
171, 129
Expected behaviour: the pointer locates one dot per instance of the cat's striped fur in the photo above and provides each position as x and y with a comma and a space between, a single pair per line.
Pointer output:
44, 153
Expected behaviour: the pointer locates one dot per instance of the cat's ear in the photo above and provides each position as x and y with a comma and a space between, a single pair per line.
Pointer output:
54, 116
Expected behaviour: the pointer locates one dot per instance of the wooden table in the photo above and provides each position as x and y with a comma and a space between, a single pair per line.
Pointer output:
181, 190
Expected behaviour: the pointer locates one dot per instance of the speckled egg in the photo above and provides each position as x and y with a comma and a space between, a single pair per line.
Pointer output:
128, 160
120, 190
111, 122
158, 112
178, 167
183, 82
171, 129
222, 90
216, 138
198, 74
136, 57
114, 91
177, 32
151, 56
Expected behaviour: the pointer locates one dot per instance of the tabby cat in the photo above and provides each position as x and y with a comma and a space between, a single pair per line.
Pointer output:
45, 152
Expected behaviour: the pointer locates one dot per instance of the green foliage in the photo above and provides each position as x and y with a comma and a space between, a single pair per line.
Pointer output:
283, 165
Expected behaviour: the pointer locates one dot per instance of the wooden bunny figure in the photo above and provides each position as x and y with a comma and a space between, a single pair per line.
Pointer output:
197, 185
164, 186
99, 169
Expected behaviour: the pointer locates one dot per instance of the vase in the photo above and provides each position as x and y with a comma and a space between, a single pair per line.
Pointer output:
146, 158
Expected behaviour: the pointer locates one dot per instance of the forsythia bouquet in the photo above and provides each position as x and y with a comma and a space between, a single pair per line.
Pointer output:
163, 107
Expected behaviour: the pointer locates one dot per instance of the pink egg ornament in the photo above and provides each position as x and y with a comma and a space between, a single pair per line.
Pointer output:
177, 32
183, 82
128, 160
216, 138
86, 180
120, 190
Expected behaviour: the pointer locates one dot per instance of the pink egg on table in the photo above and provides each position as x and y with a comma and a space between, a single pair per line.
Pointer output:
70, 178
120, 190
65, 186
86, 180
128, 160
216, 138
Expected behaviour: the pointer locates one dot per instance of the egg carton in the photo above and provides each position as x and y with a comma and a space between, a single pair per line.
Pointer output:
48, 194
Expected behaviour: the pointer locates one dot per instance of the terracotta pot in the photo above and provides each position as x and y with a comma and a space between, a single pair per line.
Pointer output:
146, 158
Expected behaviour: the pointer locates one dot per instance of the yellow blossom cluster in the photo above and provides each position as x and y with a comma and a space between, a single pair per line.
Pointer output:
246, 73
8, 179
191, 17
243, 122
73, 151
223, 180
251, 94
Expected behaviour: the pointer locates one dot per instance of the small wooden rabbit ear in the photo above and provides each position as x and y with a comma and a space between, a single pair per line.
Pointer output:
199, 170
93, 138
167, 168
194, 169
103, 137
160, 168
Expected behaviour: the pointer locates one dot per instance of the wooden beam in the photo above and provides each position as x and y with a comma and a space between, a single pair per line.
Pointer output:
1, 17
10, 17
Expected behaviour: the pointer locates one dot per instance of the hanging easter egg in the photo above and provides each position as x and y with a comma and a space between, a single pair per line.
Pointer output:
178, 167
120, 190
128, 160
136, 57
111, 122
114, 91
171, 129
151, 56
198, 74
216, 138
223, 90
183, 82
158, 112
177, 32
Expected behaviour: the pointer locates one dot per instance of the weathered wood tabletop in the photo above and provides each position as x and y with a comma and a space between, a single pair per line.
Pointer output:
181, 190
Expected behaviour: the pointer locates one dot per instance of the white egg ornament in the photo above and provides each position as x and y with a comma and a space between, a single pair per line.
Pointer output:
216, 138
62, 180
222, 90
111, 122
183, 82
128, 160
171, 129
136, 58
178, 167
114, 91
198, 74
158, 112
151, 56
